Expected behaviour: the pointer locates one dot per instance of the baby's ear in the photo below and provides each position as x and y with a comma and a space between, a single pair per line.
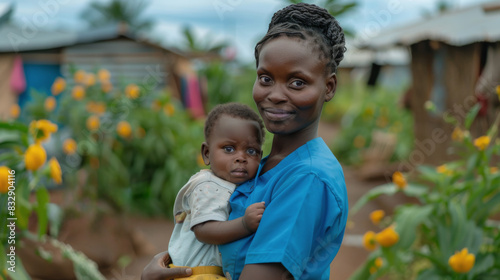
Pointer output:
205, 152
331, 87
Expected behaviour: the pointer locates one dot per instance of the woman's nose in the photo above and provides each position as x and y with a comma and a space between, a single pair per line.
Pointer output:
277, 94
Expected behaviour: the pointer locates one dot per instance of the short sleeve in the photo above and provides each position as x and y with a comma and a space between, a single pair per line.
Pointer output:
300, 227
208, 202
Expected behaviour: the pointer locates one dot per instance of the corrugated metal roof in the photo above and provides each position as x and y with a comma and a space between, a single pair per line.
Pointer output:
479, 23
15, 39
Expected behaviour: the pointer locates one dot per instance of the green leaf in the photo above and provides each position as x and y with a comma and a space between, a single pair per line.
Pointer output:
471, 115
387, 189
15, 126
407, 219
42, 198
55, 216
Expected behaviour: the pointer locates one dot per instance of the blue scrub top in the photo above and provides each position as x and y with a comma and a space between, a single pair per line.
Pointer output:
305, 216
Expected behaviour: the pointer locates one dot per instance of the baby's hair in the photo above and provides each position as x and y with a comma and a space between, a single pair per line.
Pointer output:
236, 110
308, 21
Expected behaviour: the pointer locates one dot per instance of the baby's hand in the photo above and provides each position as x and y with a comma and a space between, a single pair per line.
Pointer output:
253, 214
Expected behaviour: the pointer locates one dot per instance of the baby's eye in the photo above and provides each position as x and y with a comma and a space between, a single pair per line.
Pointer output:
298, 83
252, 152
228, 149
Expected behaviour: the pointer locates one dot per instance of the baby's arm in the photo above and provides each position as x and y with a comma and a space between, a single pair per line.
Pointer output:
217, 232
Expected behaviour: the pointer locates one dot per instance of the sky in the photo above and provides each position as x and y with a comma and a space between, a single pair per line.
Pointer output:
241, 23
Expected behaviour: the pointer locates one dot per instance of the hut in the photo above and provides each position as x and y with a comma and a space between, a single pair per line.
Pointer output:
43, 55
455, 63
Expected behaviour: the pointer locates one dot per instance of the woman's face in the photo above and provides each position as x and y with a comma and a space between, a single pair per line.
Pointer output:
291, 86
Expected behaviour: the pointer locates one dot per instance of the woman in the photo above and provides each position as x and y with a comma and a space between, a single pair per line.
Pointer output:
300, 181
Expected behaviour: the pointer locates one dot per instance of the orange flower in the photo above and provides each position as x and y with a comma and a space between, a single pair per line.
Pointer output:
103, 75
482, 142
457, 134
376, 216
169, 109
377, 264
58, 86
399, 180
387, 237
96, 107
45, 127
93, 123
4, 179
80, 76
55, 171
462, 261
78, 92
50, 104
35, 157
69, 146
443, 169
132, 91
124, 129
89, 79
369, 241
493, 169
15, 111
106, 87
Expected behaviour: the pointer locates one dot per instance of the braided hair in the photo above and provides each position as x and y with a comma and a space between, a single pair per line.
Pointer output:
235, 110
308, 21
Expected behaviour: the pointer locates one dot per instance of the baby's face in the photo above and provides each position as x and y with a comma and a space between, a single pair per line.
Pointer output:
233, 150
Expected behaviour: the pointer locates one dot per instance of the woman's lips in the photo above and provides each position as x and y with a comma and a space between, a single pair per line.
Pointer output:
277, 115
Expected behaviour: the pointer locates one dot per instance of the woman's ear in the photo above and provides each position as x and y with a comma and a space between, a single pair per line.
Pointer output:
331, 86
205, 152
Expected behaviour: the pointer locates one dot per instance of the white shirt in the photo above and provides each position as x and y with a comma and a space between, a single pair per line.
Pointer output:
205, 197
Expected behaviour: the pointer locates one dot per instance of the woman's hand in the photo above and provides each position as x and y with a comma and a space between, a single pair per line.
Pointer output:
253, 215
157, 269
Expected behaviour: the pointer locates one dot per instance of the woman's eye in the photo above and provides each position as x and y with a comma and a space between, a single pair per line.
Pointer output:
228, 149
298, 83
252, 152
265, 79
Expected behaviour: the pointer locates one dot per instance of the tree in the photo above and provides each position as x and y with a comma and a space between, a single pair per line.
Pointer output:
118, 11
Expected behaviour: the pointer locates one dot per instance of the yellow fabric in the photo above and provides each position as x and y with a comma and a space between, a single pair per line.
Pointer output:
203, 273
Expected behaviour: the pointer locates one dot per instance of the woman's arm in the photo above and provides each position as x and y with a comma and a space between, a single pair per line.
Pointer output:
157, 269
216, 232
265, 271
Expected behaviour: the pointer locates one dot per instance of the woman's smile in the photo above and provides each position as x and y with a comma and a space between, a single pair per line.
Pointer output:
277, 115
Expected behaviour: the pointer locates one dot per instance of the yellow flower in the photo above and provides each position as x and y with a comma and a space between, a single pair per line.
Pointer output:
35, 157
80, 76
169, 109
45, 127
55, 171
58, 86
124, 129
462, 261
103, 75
382, 121
376, 216
132, 91
156, 105
493, 169
369, 241
200, 161
387, 237
78, 92
482, 142
498, 91
93, 123
15, 111
69, 146
89, 79
106, 87
4, 179
399, 180
50, 104
377, 264
96, 107
443, 169
457, 134
359, 141
141, 132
